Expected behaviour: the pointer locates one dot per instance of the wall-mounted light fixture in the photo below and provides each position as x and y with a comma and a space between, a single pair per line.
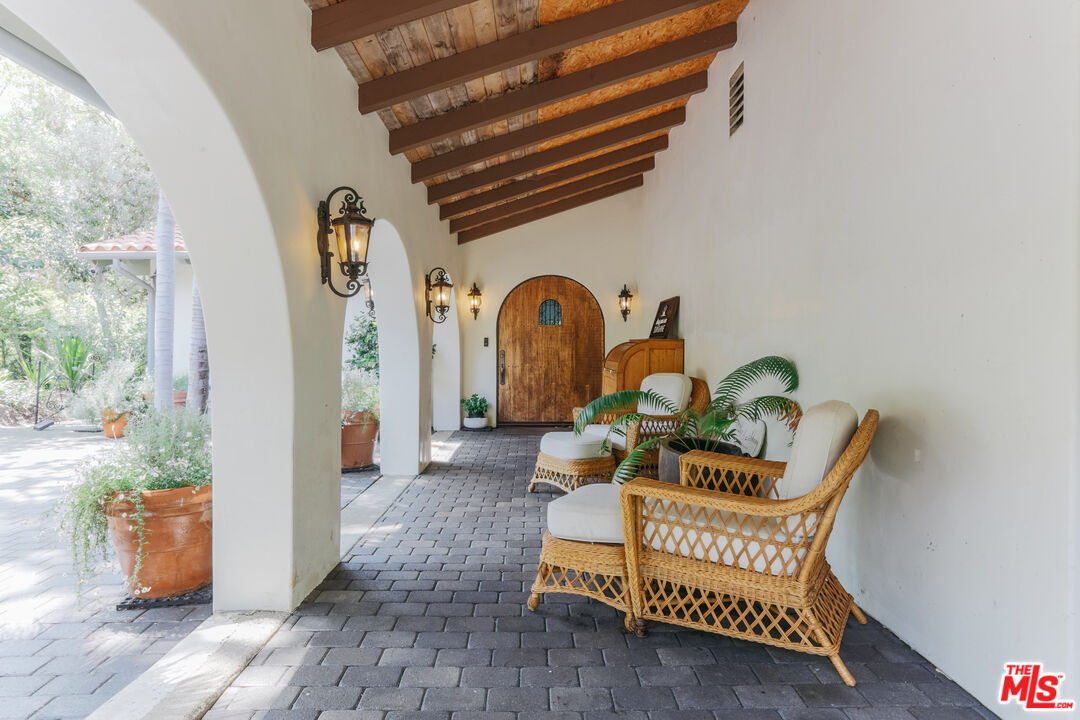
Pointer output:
474, 301
624, 301
352, 229
369, 297
438, 285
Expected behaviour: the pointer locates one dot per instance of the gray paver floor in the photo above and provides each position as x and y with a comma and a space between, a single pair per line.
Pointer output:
62, 655
426, 619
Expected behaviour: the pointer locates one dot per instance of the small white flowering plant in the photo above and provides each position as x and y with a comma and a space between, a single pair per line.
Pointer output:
161, 450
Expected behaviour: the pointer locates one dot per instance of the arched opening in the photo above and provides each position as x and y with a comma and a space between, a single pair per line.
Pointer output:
550, 343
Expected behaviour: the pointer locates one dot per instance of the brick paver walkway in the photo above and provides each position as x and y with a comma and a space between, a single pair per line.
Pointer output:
427, 620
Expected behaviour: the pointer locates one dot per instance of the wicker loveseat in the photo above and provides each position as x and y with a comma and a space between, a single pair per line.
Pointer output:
731, 550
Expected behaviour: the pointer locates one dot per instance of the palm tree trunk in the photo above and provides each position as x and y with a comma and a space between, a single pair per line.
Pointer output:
198, 360
165, 301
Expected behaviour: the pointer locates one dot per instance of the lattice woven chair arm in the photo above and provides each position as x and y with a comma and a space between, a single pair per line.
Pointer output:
730, 473
601, 419
648, 427
718, 500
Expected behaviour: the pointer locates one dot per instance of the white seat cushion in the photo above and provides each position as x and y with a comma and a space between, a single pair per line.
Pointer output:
675, 387
568, 446
823, 434
591, 513
616, 440
737, 546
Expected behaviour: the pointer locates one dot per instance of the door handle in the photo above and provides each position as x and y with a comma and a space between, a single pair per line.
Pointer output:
502, 367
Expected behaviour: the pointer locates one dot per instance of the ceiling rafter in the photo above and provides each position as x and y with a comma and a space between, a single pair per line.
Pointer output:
517, 49
535, 96
536, 183
546, 197
549, 210
563, 125
561, 153
351, 20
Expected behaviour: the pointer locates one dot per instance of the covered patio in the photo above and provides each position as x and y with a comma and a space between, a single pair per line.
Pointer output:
886, 195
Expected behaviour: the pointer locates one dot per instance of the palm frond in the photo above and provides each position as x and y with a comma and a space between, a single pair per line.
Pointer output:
732, 387
782, 408
619, 402
627, 469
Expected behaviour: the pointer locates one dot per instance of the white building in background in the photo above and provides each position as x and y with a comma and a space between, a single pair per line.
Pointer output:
133, 258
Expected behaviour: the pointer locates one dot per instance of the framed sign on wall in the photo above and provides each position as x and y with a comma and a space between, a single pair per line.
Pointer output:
664, 324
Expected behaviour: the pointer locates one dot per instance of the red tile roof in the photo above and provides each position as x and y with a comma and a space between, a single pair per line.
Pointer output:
140, 242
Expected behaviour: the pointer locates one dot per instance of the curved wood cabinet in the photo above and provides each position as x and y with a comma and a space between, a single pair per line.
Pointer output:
628, 363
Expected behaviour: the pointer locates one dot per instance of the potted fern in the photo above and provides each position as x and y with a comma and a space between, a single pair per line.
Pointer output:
475, 411
151, 495
359, 418
713, 429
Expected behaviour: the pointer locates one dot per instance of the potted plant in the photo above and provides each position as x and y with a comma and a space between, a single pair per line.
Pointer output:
110, 397
359, 418
475, 411
714, 429
151, 495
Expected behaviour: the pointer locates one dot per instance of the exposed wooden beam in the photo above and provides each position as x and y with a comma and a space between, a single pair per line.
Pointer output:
549, 196
549, 210
572, 122
517, 49
532, 97
562, 153
646, 148
352, 19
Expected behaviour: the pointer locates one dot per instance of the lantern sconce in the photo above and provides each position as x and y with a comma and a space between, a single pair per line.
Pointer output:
438, 285
624, 301
369, 297
352, 228
474, 301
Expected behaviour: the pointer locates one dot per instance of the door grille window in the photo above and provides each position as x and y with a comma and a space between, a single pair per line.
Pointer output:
550, 313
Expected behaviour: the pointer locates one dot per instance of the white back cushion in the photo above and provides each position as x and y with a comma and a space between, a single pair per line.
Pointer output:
823, 434
675, 387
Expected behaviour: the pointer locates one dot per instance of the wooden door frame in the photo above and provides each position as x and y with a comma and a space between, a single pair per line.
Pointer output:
498, 344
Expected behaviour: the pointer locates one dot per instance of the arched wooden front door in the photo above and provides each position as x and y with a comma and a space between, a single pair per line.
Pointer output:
550, 350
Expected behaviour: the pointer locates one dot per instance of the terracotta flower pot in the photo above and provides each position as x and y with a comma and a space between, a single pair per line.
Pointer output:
358, 439
178, 540
179, 398
114, 423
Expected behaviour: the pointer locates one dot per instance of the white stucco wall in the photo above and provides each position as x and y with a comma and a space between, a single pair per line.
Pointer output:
596, 245
899, 215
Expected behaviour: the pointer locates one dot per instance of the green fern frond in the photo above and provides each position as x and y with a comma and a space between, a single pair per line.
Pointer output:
782, 408
627, 469
618, 402
731, 388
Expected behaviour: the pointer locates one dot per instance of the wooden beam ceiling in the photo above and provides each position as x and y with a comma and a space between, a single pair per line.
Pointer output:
518, 49
561, 153
353, 19
535, 96
518, 188
549, 210
571, 122
549, 196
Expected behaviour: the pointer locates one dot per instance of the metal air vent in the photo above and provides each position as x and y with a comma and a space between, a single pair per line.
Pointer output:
735, 101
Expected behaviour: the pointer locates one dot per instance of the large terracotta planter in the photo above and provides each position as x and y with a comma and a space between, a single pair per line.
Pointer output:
178, 541
358, 440
114, 423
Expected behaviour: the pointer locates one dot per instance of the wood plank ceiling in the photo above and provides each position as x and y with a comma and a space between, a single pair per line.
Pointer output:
515, 110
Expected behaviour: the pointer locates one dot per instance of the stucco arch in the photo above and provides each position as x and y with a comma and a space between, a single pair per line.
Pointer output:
246, 131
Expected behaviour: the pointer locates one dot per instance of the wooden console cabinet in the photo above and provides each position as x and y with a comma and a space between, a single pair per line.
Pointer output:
628, 363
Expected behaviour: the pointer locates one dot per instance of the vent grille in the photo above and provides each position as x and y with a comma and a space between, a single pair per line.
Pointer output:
735, 101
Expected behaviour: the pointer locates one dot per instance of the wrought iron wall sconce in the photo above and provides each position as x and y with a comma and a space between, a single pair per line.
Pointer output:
352, 229
438, 285
474, 301
369, 297
624, 301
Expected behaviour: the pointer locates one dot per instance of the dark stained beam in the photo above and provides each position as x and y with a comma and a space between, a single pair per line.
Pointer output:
517, 49
549, 196
549, 210
557, 127
646, 148
562, 153
352, 19
533, 97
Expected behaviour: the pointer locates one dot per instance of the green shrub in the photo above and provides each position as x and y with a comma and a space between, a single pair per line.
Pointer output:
363, 342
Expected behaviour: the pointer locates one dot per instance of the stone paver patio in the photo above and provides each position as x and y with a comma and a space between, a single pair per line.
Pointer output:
426, 619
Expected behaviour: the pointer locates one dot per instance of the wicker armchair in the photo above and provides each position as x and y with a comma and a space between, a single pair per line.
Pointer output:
650, 426
722, 553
